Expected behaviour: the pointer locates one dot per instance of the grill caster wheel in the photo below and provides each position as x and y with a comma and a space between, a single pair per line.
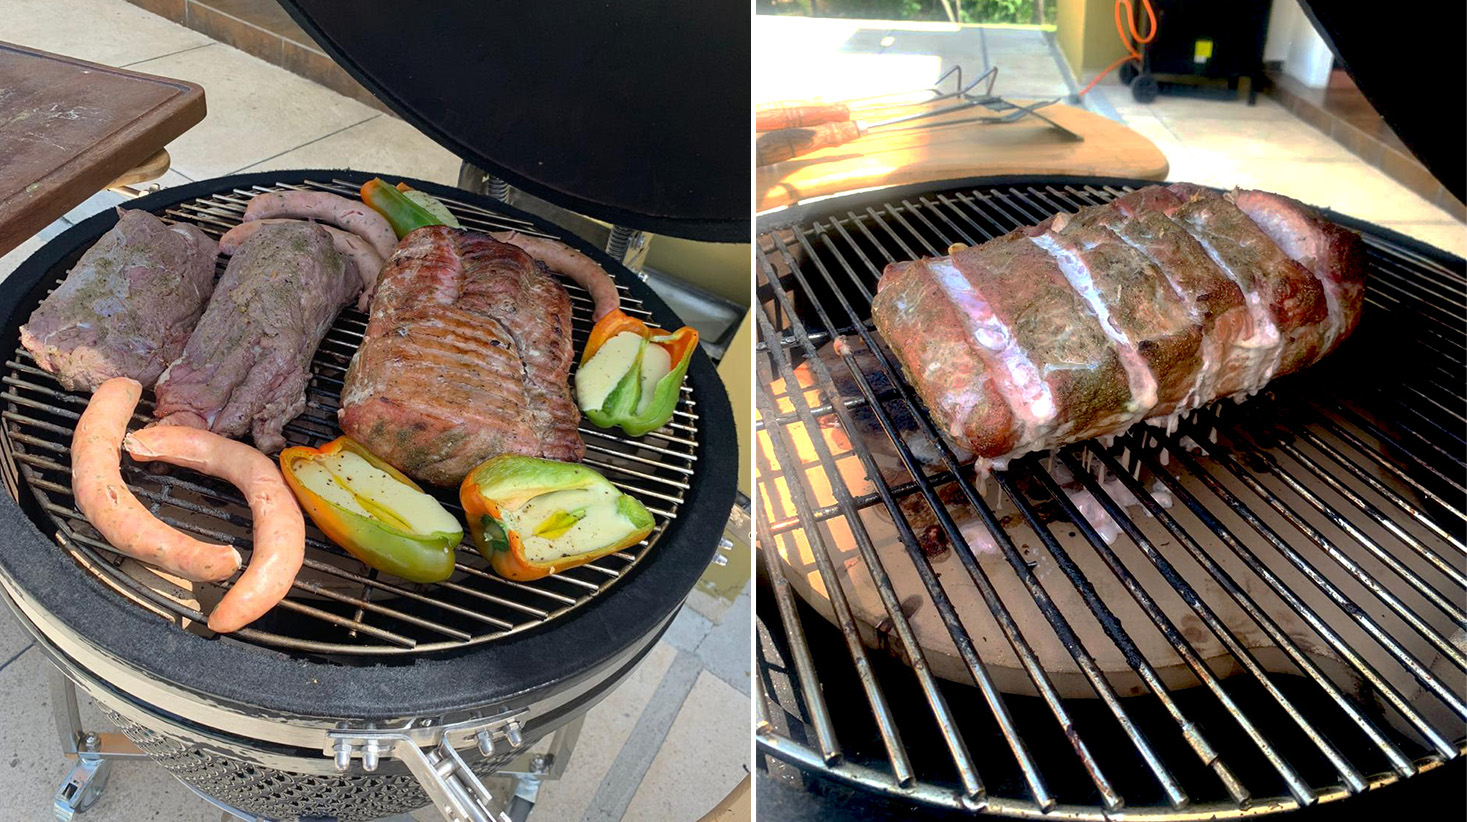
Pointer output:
82, 788
1128, 73
1145, 88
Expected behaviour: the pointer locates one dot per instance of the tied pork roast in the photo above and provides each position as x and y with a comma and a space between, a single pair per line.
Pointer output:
467, 356
1146, 307
128, 307
246, 366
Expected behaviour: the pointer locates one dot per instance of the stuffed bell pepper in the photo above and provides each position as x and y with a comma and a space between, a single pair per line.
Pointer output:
532, 517
369, 508
631, 374
405, 208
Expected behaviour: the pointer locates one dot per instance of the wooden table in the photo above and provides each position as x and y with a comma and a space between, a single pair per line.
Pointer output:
69, 128
951, 152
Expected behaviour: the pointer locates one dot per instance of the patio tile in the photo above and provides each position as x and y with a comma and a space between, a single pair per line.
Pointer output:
256, 111
137, 790
383, 144
94, 31
1448, 235
703, 758
1249, 139
607, 727
1351, 188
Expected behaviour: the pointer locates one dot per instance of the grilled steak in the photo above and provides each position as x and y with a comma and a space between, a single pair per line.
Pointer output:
1148, 306
467, 356
246, 366
128, 306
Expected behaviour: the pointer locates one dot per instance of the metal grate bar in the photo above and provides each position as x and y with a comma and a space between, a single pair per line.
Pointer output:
880, 710
1276, 585
979, 577
1301, 791
1421, 586
1235, 591
1117, 634
1341, 459
957, 747
1353, 568
1345, 604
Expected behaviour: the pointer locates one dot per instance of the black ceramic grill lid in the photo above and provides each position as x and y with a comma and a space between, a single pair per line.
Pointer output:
538, 660
634, 112
1411, 73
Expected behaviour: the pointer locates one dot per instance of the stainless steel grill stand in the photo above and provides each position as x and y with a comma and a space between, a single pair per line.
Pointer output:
93, 752
462, 798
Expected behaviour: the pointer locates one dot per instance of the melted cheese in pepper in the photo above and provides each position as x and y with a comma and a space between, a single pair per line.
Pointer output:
600, 522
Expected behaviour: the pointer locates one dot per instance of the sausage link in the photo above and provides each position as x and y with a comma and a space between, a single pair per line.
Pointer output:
96, 482
352, 215
280, 529
562, 259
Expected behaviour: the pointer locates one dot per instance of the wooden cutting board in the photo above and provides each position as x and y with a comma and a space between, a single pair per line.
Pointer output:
1028, 146
68, 128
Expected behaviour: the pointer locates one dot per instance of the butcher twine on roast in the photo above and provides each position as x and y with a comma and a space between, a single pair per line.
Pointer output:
467, 356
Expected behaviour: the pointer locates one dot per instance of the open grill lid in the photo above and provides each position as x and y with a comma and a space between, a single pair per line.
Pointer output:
1389, 79
634, 112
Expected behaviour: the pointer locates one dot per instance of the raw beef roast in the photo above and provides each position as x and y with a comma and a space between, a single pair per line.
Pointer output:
1145, 307
467, 356
128, 306
246, 366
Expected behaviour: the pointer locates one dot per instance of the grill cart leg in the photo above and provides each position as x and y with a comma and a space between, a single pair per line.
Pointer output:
93, 752
530, 770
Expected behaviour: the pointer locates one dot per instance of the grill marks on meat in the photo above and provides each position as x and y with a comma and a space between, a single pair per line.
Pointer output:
1151, 305
127, 307
246, 366
467, 355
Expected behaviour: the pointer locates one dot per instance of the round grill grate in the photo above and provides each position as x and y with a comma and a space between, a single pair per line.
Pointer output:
1275, 618
337, 605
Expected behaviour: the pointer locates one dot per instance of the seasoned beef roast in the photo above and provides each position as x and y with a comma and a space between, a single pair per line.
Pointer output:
246, 366
1160, 301
128, 306
467, 356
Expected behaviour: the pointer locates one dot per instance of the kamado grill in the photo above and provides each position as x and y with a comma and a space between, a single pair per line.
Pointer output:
1258, 610
359, 695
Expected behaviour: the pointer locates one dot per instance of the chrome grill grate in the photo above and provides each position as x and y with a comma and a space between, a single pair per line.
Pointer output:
338, 606
1277, 619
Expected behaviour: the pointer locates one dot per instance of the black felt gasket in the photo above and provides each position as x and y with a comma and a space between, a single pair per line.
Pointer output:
536, 661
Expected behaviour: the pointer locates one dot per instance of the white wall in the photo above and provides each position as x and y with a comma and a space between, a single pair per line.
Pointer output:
1292, 39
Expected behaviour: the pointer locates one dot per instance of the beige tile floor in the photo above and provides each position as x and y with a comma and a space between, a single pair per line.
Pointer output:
668, 744
1229, 143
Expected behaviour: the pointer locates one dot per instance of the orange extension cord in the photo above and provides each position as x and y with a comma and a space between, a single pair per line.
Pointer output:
1135, 38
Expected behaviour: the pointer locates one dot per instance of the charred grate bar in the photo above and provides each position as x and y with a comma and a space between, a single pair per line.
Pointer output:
1257, 610
337, 605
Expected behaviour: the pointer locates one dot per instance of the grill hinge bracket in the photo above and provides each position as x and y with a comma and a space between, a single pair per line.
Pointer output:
431, 752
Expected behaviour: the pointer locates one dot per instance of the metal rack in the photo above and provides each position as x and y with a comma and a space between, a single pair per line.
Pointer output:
1328, 510
337, 605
